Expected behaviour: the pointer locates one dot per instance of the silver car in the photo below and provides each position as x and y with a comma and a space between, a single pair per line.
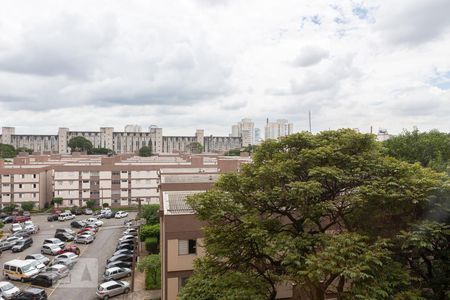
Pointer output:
116, 273
84, 239
8, 290
43, 259
112, 288
8, 243
60, 270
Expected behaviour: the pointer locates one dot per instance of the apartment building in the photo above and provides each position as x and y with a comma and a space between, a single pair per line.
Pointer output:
280, 128
244, 129
126, 142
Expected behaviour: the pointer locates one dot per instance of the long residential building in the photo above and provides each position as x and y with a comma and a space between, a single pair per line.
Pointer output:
123, 142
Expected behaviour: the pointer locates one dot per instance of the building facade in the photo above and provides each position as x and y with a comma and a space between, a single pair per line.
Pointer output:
244, 129
280, 128
120, 142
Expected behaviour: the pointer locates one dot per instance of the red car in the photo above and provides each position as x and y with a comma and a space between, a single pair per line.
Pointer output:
91, 229
70, 248
21, 219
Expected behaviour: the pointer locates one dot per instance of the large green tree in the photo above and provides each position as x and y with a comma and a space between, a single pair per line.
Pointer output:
320, 212
7, 151
195, 147
146, 151
80, 143
430, 149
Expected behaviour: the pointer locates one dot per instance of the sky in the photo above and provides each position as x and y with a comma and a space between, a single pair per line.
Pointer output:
188, 64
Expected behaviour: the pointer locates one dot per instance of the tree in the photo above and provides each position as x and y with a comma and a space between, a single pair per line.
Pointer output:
151, 213
24, 149
104, 151
151, 264
9, 208
57, 200
105, 205
149, 231
195, 148
430, 149
27, 205
145, 151
233, 152
318, 211
80, 143
7, 151
151, 245
90, 203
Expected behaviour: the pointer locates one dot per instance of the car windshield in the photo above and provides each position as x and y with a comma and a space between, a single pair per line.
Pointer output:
7, 287
27, 268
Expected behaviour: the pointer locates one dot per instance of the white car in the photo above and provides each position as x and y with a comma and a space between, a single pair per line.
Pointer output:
16, 227
8, 290
121, 214
68, 259
43, 259
84, 238
94, 221
30, 227
50, 249
36, 264
66, 216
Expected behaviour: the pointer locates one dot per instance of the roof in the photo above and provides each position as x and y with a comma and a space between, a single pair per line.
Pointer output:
175, 202
18, 262
189, 178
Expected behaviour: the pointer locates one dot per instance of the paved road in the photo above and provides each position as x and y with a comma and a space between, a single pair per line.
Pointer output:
86, 274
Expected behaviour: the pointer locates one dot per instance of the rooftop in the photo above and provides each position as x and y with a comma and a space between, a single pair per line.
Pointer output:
175, 202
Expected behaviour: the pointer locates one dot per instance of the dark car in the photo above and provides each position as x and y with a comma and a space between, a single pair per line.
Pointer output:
52, 218
65, 237
9, 219
125, 242
123, 251
22, 233
121, 257
120, 264
22, 245
32, 293
77, 224
77, 211
125, 246
45, 279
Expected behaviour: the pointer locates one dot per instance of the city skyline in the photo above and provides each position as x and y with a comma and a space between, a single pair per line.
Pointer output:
203, 64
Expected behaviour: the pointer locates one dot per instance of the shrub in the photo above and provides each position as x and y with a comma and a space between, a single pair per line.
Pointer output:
151, 265
27, 205
57, 200
9, 208
151, 245
149, 231
105, 204
90, 204
150, 213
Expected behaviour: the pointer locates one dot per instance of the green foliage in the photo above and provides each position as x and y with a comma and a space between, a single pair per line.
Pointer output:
80, 143
320, 211
27, 205
151, 265
195, 148
430, 149
105, 205
149, 231
150, 213
233, 152
99, 151
2, 224
57, 200
24, 149
7, 151
151, 245
146, 151
9, 208
90, 204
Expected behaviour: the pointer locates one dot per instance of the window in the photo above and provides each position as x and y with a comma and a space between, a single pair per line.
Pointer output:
124, 172
186, 247
23, 176
124, 181
7, 175
20, 195
85, 181
34, 185
115, 173
34, 176
34, 195
71, 202
115, 181
20, 186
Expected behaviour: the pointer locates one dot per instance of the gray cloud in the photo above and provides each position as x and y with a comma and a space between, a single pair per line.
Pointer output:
414, 22
309, 56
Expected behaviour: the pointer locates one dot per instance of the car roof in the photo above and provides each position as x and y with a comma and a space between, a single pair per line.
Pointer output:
109, 283
58, 266
33, 290
3, 283
113, 269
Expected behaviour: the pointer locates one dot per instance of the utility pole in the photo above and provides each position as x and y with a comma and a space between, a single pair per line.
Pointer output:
309, 118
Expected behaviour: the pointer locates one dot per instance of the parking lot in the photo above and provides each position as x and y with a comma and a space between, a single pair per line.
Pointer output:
87, 273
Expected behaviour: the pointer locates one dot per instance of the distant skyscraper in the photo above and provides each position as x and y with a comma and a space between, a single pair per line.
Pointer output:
274, 130
246, 130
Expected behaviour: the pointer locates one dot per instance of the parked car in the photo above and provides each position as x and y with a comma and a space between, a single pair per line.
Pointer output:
123, 251
68, 259
30, 227
94, 221
54, 241
9, 242
50, 249
26, 213
21, 219
58, 269
125, 246
22, 233
112, 288
70, 248
126, 242
120, 257
121, 214
130, 231
46, 279
16, 227
22, 245
64, 236
32, 293
65, 230
116, 273
87, 211
39, 257
53, 217
84, 238
66, 216
8, 290
9, 219
18, 269
36, 264
120, 264
127, 237
77, 224
87, 229
76, 211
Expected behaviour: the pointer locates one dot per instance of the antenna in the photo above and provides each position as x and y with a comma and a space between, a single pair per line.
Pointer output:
309, 117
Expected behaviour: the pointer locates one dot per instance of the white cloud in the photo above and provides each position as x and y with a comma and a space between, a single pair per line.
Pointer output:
309, 56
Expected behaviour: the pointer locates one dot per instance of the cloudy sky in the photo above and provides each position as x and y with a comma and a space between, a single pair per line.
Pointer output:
188, 64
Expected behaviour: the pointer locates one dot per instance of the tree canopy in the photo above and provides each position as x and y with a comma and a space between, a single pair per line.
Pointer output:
24, 149
195, 148
104, 151
430, 149
80, 143
7, 151
324, 213
146, 151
